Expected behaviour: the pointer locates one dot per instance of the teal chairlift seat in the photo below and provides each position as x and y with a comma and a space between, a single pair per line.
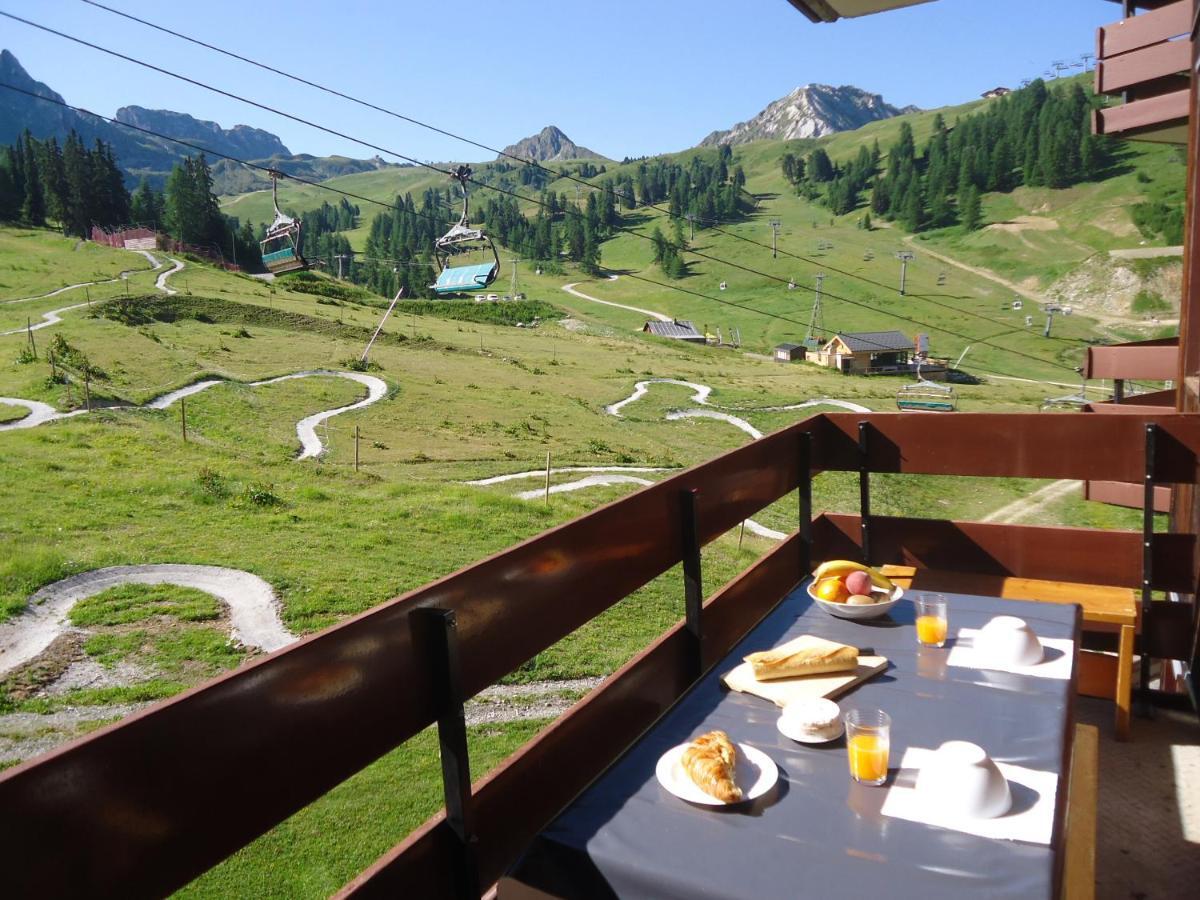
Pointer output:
462, 252
281, 246
926, 396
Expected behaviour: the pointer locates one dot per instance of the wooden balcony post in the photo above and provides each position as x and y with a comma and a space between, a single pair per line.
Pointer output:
864, 491
693, 589
804, 462
1147, 565
438, 629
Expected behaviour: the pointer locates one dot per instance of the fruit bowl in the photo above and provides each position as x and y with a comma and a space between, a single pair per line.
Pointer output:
846, 611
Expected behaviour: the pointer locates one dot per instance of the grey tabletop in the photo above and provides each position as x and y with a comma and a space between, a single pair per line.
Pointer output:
817, 833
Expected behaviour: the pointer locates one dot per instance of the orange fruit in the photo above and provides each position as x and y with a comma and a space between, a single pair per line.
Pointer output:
832, 589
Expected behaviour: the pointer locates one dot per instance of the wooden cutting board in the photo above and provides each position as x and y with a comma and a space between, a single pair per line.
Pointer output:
809, 687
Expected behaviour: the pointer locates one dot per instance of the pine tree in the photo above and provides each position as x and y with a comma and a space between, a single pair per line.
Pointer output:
970, 210
33, 206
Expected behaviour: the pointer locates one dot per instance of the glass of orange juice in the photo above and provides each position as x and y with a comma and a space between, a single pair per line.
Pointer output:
868, 735
932, 622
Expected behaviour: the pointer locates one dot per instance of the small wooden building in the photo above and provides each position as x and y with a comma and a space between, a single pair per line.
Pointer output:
677, 329
790, 352
867, 352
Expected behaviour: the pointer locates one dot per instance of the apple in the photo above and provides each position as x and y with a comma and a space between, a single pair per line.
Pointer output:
858, 583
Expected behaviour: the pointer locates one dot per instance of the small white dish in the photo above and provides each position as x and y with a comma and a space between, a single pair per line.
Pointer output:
846, 611
816, 721
1007, 640
755, 773
960, 778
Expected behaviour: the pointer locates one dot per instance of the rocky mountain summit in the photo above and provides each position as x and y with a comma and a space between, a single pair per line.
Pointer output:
810, 111
550, 145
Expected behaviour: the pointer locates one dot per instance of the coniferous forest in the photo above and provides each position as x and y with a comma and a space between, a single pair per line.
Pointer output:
1037, 136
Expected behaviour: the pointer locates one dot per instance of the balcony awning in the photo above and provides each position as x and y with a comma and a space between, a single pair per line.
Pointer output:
832, 10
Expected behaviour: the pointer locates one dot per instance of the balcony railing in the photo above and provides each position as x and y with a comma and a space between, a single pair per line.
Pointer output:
141, 807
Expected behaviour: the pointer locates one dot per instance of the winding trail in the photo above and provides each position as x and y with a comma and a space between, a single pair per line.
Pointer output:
53, 317
1042, 497
49, 318
677, 414
587, 482
161, 281
515, 476
253, 608
570, 289
311, 446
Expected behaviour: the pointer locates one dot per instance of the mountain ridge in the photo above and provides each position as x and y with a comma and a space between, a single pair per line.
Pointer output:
549, 145
810, 111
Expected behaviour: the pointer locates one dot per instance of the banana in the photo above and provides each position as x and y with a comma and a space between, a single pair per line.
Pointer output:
837, 568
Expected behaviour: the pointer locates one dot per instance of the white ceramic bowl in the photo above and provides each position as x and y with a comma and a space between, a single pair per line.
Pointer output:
960, 778
1007, 640
846, 611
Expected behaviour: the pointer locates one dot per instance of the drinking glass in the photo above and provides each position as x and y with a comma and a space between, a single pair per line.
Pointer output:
868, 734
932, 622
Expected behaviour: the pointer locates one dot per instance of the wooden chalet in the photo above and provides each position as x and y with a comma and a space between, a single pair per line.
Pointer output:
143, 806
867, 352
789, 352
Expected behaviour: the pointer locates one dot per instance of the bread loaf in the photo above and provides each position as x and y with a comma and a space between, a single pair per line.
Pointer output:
806, 655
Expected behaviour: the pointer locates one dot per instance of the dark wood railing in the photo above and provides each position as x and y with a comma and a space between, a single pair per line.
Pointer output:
141, 807
1147, 60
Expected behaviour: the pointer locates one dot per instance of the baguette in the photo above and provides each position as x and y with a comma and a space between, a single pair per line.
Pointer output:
806, 655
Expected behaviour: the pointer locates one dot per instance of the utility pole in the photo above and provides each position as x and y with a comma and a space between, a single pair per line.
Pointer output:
1086, 59
905, 258
816, 323
691, 220
775, 223
1049, 322
340, 257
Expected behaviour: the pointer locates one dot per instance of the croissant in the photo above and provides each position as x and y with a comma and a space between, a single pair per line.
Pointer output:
710, 761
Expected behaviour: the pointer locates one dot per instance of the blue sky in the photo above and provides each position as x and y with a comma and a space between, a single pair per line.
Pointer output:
624, 78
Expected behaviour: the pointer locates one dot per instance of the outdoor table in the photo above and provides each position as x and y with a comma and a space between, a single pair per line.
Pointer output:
818, 833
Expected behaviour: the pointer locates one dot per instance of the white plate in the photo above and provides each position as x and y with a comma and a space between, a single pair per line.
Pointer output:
788, 729
755, 774
846, 611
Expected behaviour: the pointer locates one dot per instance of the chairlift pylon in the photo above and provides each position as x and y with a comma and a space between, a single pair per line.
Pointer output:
281, 246
926, 395
458, 245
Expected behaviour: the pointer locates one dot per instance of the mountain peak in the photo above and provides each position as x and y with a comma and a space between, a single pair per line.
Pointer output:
810, 111
549, 145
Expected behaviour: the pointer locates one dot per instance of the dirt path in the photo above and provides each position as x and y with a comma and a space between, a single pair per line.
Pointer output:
161, 282
1039, 499
254, 611
976, 270
570, 289
310, 444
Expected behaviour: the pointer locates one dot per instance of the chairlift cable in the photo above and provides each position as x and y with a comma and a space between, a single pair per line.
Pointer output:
385, 205
710, 224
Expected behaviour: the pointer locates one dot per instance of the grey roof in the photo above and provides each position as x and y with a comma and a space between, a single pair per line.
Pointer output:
876, 341
677, 329
789, 346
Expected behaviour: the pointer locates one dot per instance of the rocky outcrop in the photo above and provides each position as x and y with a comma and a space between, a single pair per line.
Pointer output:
810, 111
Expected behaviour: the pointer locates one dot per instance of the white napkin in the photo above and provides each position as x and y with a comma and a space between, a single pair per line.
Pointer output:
1061, 651
1030, 819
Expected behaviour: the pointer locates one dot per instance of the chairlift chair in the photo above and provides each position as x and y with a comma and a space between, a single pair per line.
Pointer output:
1071, 402
926, 395
462, 252
281, 246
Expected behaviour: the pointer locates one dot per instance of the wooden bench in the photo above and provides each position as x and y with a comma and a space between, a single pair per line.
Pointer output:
1105, 609
1083, 785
